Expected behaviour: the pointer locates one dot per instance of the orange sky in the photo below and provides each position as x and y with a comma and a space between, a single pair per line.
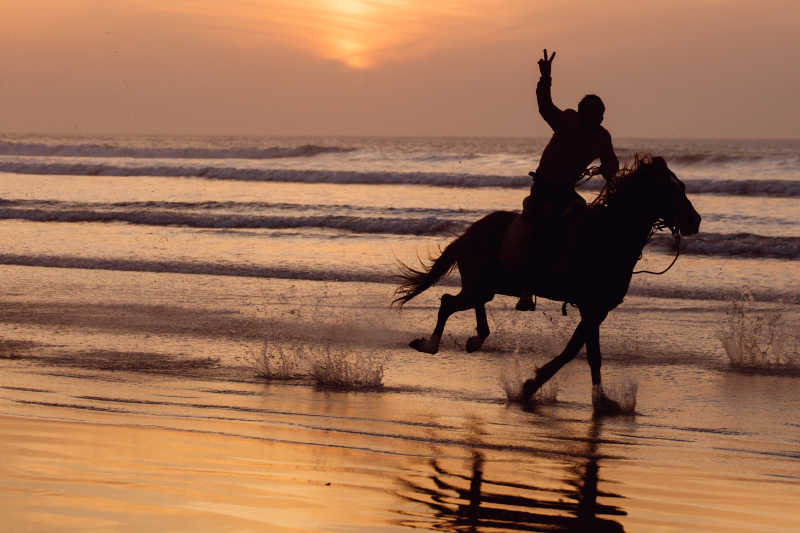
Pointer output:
675, 68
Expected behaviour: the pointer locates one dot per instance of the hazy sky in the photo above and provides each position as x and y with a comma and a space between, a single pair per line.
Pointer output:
665, 68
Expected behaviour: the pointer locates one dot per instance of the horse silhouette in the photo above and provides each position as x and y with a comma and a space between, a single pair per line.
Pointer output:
589, 263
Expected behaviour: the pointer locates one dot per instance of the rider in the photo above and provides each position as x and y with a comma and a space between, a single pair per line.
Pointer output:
578, 139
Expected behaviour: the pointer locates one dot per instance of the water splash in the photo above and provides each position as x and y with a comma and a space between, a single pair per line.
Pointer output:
615, 398
513, 374
334, 367
274, 361
759, 340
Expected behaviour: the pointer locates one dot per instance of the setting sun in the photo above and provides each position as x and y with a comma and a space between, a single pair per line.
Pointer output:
340, 265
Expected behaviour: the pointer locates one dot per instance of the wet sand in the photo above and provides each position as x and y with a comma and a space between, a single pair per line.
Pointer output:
128, 402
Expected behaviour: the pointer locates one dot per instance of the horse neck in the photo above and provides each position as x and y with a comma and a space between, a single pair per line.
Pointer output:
631, 223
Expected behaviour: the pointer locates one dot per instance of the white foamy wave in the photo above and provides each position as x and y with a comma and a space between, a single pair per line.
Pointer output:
183, 152
736, 245
766, 187
435, 158
714, 158
355, 224
267, 175
770, 188
709, 158
195, 267
773, 188
355, 219
467, 214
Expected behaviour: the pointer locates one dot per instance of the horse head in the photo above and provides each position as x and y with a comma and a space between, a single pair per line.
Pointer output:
668, 194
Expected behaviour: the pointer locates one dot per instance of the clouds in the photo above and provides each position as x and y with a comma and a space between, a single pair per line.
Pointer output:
682, 68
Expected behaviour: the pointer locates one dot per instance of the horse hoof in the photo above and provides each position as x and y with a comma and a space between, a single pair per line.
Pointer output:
474, 344
529, 388
603, 405
423, 345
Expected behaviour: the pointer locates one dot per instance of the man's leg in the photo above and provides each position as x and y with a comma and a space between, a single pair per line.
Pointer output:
525, 302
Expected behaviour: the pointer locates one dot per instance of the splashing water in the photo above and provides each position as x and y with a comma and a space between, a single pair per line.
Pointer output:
277, 362
615, 398
330, 366
513, 374
759, 340
305, 342
336, 368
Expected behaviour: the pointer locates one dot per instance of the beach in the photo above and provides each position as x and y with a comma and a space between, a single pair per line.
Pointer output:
146, 278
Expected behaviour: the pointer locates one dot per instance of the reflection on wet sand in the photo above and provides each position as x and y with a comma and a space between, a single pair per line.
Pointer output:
469, 502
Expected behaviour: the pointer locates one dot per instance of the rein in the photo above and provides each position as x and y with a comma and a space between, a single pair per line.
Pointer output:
677, 236
588, 174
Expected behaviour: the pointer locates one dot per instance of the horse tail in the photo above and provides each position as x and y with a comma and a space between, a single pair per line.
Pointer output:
480, 242
414, 281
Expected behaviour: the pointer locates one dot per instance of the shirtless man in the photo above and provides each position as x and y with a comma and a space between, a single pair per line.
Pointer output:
578, 139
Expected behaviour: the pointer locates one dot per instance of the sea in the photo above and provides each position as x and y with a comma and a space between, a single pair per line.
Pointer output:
146, 276
344, 209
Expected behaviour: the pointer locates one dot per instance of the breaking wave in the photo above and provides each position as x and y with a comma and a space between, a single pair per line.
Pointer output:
736, 245
239, 206
370, 275
709, 158
766, 187
349, 218
268, 175
182, 152
772, 188
356, 224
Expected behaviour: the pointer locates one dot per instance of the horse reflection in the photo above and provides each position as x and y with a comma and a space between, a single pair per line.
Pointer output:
478, 504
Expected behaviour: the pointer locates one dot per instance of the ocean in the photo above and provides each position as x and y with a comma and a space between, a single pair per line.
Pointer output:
144, 275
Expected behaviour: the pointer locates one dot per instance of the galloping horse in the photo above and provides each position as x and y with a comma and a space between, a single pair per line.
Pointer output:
592, 270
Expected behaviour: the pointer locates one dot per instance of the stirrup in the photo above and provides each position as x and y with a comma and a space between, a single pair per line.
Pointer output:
522, 307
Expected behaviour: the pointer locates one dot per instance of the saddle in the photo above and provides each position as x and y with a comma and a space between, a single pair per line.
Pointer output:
549, 231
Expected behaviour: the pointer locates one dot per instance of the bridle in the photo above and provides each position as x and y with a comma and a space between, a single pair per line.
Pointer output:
658, 225
676, 234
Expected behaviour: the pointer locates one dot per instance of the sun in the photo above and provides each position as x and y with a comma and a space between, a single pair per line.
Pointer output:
351, 53
353, 7
352, 31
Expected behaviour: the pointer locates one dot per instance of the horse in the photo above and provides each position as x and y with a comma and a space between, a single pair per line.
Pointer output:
588, 265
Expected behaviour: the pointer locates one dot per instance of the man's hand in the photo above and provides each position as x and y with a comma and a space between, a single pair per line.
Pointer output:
544, 64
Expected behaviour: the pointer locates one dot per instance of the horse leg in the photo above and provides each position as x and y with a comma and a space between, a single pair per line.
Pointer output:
588, 331
547, 371
593, 355
474, 343
601, 403
450, 304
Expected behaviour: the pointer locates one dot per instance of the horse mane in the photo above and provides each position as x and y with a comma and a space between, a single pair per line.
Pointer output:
626, 176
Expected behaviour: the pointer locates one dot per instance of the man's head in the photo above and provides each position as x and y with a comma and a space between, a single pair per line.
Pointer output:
591, 109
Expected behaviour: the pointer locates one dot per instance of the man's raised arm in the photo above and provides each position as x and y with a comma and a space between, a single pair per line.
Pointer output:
548, 110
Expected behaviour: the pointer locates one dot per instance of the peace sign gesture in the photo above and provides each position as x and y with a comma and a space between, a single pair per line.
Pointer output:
544, 64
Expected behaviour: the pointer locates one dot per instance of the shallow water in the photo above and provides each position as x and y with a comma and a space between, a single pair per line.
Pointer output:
128, 400
142, 276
